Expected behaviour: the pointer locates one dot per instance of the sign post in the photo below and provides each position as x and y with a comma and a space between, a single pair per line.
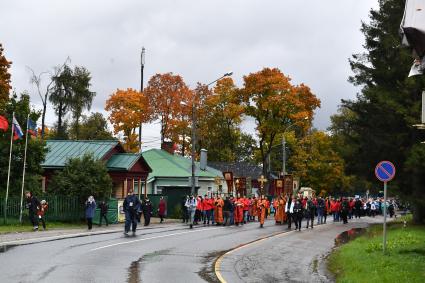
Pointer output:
385, 172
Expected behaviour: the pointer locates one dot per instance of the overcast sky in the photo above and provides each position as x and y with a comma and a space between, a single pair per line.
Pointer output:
310, 41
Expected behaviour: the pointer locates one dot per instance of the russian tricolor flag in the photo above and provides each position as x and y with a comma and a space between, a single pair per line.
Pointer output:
17, 130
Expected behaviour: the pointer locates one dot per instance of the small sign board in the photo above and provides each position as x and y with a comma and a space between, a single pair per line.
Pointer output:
385, 171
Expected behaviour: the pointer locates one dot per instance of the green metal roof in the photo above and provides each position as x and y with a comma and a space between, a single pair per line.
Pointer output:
61, 150
122, 161
164, 164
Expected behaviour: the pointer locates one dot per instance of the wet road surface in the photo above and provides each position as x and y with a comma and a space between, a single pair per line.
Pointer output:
171, 254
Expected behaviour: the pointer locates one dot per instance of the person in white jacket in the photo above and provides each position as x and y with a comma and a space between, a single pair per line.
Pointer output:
191, 204
289, 209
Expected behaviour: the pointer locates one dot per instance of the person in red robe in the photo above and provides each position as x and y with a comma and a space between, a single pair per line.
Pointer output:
238, 211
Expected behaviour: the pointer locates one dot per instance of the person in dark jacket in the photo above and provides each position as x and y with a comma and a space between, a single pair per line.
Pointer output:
320, 210
147, 211
103, 206
90, 209
345, 206
358, 208
310, 210
185, 215
227, 209
33, 206
298, 214
131, 208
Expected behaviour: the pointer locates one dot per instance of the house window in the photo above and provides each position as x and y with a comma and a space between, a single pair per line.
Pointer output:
159, 190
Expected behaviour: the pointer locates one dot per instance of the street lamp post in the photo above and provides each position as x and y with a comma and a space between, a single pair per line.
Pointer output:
284, 146
192, 190
142, 67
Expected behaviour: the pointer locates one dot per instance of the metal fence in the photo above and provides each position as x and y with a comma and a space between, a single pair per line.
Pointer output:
61, 208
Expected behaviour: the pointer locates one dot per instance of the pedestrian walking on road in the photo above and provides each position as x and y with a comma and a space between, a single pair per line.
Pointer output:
103, 206
147, 211
185, 215
310, 210
345, 208
289, 209
33, 205
357, 208
191, 204
218, 213
262, 210
238, 211
132, 207
298, 214
42, 211
162, 209
320, 210
90, 209
227, 209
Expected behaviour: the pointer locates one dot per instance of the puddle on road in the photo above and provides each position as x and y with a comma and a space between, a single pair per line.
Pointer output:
349, 235
208, 272
134, 272
5, 248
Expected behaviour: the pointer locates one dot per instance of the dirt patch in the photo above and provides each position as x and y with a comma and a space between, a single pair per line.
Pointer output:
208, 271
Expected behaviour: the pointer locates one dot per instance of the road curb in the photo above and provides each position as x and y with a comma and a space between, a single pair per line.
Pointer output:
68, 236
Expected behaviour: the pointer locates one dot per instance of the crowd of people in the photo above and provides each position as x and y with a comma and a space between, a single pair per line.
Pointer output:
231, 210
286, 210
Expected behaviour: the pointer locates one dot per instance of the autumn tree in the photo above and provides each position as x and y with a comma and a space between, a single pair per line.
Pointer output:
219, 123
166, 93
269, 97
128, 108
314, 159
5, 81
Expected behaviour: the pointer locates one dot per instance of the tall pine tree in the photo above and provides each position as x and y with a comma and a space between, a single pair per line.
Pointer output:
378, 125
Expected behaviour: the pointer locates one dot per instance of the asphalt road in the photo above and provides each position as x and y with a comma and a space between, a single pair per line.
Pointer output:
171, 254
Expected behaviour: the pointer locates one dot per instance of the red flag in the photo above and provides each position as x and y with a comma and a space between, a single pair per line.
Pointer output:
4, 125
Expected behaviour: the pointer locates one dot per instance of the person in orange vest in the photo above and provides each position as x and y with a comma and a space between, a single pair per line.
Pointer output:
199, 211
218, 212
246, 204
267, 207
207, 205
238, 211
262, 208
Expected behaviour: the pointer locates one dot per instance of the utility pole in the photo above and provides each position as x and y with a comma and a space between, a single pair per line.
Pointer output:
283, 156
192, 190
142, 66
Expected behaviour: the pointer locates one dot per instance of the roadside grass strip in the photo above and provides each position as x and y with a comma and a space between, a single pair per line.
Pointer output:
362, 259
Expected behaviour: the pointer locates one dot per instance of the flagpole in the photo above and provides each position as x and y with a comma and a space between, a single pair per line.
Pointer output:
8, 172
23, 173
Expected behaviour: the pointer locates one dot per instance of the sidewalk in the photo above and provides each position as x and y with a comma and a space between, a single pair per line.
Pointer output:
292, 256
24, 238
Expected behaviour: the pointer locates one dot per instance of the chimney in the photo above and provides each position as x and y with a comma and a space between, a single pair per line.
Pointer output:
168, 147
204, 158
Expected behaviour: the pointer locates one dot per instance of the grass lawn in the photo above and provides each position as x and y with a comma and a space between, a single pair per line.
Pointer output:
16, 227
362, 260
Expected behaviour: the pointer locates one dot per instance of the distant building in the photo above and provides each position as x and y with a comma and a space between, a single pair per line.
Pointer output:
127, 170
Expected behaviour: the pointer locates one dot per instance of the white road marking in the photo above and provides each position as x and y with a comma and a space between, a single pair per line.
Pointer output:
151, 238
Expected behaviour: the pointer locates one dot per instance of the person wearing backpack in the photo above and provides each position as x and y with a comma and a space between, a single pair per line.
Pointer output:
310, 209
131, 208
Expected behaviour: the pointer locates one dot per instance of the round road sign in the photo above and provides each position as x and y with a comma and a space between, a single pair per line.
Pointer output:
385, 171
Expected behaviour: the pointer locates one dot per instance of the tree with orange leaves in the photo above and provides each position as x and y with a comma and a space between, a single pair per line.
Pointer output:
128, 108
4, 78
275, 104
219, 122
165, 93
